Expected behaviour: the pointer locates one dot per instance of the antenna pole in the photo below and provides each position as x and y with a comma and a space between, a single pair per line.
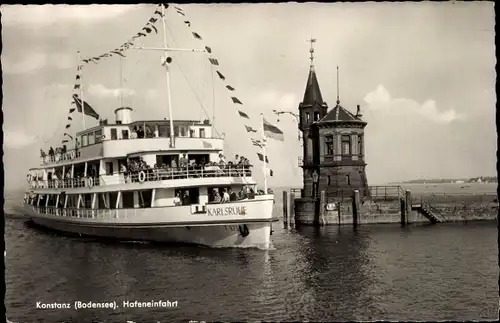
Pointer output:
264, 156
80, 71
121, 81
169, 98
338, 86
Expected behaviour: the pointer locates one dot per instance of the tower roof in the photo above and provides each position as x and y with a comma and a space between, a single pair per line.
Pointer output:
312, 93
339, 113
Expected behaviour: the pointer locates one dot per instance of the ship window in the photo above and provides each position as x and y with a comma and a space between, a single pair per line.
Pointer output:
114, 135
125, 134
84, 140
109, 168
183, 131
87, 201
191, 133
98, 136
307, 117
202, 132
316, 116
176, 131
163, 131
128, 200
329, 145
91, 138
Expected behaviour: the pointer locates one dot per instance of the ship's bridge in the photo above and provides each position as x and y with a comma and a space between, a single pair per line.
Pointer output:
126, 137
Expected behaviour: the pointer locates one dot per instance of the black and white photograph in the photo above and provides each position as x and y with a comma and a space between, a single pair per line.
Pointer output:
250, 162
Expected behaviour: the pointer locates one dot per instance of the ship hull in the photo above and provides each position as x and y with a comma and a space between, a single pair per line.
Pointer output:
252, 232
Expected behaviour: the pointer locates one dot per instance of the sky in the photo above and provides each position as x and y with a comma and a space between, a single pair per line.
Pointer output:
423, 74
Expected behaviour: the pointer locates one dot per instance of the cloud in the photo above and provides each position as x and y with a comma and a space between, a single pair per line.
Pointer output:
380, 100
49, 14
34, 61
18, 139
101, 90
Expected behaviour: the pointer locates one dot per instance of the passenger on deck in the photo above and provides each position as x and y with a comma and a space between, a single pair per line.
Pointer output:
177, 199
133, 134
173, 164
186, 200
236, 159
217, 198
42, 153
183, 161
140, 133
243, 193
222, 162
51, 151
232, 195
225, 196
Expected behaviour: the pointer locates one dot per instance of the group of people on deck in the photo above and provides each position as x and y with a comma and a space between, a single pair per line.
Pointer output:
226, 195
51, 153
135, 166
140, 132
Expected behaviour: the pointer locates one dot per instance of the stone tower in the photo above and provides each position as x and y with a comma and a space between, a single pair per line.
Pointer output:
311, 110
333, 142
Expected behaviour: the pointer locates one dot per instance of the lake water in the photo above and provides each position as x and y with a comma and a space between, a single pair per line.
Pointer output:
379, 272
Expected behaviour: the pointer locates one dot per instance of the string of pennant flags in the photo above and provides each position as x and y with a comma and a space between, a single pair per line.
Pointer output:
148, 28
270, 130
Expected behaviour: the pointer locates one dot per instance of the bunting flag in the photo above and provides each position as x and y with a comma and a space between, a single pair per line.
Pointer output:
72, 109
236, 100
67, 126
221, 76
64, 141
145, 31
243, 114
261, 158
271, 131
87, 109
70, 136
256, 143
69, 118
250, 129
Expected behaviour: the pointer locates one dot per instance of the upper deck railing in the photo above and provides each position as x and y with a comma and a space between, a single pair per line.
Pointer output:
144, 176
149, 142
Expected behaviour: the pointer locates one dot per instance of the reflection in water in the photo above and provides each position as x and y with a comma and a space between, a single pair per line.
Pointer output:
327, 274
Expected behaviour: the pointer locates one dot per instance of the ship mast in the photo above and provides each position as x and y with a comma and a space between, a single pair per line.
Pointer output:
166, 61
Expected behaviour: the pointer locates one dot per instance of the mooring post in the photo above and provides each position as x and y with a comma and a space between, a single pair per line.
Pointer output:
285, 209
355, 208
291, 211
402, 202
408, 205
322, 208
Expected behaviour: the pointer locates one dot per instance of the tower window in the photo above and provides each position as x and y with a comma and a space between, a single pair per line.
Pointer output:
316, 116
329, 180
346, 145
329, 145
360, 144
308, 117
348, 180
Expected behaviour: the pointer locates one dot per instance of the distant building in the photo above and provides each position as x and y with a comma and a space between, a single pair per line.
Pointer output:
459, 182
333, 145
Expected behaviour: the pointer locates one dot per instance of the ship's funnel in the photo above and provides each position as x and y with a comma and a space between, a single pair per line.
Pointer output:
123, 115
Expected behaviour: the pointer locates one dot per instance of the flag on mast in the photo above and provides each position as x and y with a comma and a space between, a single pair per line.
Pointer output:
271, 131
87, 108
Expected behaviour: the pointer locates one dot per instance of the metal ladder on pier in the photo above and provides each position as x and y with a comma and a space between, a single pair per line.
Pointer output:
426, 210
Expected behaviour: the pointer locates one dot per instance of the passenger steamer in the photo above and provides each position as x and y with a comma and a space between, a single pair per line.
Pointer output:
87, 191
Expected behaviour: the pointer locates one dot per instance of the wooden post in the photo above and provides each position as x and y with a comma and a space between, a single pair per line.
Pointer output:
403, 211
408, 204
322, 208
285, 209
291, 211
355, 208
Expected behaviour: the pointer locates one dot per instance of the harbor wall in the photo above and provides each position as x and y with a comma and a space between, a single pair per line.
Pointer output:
452, 208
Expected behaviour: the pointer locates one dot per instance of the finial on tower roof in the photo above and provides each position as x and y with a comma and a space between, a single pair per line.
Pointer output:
311, 50
338, 95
